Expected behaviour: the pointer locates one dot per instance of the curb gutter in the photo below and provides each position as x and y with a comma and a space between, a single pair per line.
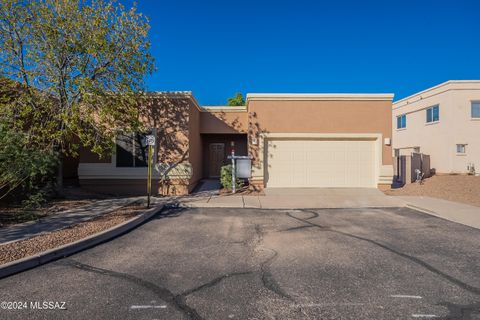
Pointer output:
411, 206
79, 245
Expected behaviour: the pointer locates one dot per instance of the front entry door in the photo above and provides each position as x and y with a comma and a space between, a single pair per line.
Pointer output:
216, 159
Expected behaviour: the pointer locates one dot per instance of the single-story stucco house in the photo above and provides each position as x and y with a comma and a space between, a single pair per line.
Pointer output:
442, 122
294, 140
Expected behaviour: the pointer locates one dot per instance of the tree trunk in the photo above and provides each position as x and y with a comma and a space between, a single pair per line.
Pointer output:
59, 182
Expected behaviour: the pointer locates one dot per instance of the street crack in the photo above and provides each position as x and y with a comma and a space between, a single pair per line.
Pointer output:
297, 228
176, 301
268, 280
214, 282
418, 261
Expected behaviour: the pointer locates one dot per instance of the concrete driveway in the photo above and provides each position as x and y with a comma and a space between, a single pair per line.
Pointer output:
391, 263
292, 198
327, 198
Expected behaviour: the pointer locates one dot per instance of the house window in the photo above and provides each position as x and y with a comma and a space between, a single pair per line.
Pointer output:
131, 150
402, 121
476, 110
461, 148
433, 114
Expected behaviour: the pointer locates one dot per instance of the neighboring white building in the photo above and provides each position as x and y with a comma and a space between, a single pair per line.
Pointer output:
443, 122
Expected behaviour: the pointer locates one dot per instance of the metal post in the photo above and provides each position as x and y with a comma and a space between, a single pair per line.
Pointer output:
234, 187
149, 181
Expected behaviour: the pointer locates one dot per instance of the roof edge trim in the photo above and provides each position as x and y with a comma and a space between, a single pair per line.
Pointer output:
320, 96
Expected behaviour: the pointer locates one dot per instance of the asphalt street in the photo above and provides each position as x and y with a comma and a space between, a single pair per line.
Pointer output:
209, 263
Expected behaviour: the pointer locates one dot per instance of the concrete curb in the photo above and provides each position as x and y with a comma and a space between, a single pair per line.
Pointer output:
77, 246
443, 217
411, 206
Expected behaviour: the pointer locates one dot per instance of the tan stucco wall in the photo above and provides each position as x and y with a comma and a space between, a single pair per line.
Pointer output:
223, 122
176, 118
455, 126
180, 124
195, 144
324, 117
170, 117
334, 118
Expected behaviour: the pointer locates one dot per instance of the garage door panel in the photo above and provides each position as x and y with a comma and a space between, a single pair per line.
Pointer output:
320, 163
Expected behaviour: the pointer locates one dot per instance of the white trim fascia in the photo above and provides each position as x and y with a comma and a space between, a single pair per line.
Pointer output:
195, 102
316, 135
404, 101
399, 148
320, 96
225, 109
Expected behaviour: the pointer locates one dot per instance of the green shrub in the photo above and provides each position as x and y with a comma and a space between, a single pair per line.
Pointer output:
26, 171
226, 178
38, 198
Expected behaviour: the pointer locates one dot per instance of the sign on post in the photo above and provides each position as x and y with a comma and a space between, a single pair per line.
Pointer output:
244, 167
241, 168
150, 139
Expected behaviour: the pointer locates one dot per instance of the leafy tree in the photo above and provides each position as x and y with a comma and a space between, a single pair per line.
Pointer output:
236, 100
24, 167
78, 68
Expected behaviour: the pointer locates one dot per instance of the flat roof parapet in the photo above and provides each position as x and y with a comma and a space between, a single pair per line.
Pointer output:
320, 96
224, 108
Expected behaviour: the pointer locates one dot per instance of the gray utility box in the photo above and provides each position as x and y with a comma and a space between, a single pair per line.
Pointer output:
243, 167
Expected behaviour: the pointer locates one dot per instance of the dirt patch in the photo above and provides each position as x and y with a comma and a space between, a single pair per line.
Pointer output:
458, 188
28, 247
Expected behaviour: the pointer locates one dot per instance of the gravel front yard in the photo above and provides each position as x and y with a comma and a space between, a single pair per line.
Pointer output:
74, 197
458, 188
24, 248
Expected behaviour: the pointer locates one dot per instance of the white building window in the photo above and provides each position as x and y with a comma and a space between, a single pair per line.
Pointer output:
402, 121
475, 110
433, 114
461, 148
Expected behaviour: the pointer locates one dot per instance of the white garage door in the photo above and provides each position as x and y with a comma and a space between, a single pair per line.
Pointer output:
320, 163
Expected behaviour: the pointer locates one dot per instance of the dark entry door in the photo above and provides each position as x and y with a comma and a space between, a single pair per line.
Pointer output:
216, 159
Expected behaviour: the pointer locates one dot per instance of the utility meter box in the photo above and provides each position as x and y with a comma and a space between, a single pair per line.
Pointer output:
243, 168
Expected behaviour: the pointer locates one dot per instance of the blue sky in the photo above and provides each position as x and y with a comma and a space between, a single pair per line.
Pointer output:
216, 48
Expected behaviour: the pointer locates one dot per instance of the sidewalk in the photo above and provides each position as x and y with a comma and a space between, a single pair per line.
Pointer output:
63, 219
336, 198
449, 210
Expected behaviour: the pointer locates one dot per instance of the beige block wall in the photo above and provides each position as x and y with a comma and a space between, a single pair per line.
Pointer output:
439, 139
466, 129
129, 187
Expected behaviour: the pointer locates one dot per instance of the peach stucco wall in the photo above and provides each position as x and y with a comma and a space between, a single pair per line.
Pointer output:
180, 123
195, 145
176, 118
223, 122
323, 117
